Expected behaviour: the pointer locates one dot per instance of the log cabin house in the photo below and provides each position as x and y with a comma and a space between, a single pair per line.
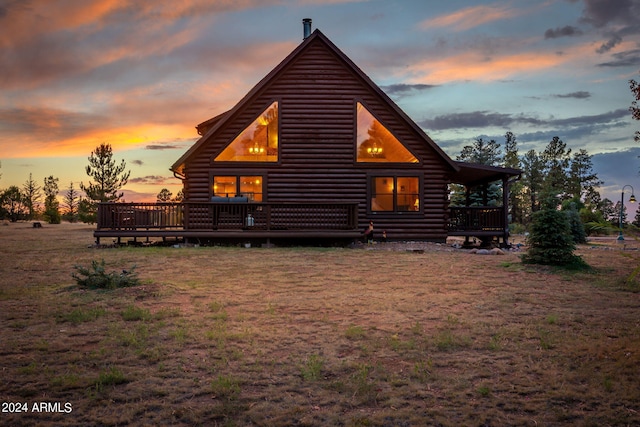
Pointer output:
316, 150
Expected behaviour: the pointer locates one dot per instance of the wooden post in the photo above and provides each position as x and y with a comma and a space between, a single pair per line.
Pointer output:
505, 209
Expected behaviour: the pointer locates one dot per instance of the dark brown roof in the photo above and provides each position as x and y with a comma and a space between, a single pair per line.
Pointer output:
471, 174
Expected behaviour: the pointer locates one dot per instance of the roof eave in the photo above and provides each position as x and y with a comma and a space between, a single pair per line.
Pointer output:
240, 104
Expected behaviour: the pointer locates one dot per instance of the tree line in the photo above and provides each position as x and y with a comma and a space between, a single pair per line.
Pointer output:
107, 178
26, 202
555, 171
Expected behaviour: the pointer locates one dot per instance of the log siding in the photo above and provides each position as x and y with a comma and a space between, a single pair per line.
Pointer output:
317, 94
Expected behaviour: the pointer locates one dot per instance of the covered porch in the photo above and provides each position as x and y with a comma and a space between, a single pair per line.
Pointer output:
485, 222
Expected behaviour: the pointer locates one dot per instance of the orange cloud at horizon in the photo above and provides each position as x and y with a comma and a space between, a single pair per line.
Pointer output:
124, 138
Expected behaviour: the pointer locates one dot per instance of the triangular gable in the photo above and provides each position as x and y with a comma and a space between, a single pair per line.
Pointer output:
316, 36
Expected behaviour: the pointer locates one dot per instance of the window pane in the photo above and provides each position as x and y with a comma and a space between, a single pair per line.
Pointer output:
408, 194
257, 143
375, 143
251, 187
382, 194
224, 186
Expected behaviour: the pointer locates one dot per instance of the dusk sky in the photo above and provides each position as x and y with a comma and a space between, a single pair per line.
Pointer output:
140, 75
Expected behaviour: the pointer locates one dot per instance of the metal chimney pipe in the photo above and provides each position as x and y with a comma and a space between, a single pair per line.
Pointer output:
306, 26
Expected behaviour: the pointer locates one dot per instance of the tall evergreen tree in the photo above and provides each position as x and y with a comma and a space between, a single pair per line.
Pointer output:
583, 180
71, 200
482, 152
31, 192
51, 204
108, 178
556, 159
532, 179
511, 160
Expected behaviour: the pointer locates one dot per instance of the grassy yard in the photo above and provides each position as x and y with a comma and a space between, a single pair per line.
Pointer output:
314, 336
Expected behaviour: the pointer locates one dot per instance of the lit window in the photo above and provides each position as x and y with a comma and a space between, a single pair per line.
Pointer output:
257, 143
376, 144
395, 194
243, 186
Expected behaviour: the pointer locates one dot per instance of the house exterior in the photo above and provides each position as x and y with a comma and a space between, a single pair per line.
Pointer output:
315, 149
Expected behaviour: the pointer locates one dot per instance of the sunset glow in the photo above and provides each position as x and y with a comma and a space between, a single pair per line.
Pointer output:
140, 76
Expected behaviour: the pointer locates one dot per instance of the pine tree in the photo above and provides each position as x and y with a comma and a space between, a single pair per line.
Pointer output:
550, 240
51, 204
511, 160
71, 199
31, 192
583, 181
108, 177
556, 159
532, 179
576, 226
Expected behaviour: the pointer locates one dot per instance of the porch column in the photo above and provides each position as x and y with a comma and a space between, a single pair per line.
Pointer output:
505, 209
467, 203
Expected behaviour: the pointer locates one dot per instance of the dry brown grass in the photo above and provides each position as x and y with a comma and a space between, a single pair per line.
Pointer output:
311, 336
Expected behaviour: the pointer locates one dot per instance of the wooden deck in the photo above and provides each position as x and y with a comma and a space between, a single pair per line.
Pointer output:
227, 221
478, 222
266, 221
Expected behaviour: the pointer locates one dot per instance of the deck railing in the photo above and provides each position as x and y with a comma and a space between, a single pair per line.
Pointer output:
476, 219
227, 216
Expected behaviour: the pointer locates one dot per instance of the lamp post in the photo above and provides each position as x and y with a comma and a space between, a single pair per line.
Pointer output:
632, 199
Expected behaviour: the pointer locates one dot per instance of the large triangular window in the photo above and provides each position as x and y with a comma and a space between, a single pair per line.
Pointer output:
376, 144
258, 142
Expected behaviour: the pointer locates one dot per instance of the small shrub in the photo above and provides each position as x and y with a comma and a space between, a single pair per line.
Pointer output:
133, 313
552, 319
96, 277
113, 376
484, 391
354, 332
312, 369
79, 315
225, 387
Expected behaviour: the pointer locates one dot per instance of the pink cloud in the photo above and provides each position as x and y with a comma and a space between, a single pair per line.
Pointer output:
471, 17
